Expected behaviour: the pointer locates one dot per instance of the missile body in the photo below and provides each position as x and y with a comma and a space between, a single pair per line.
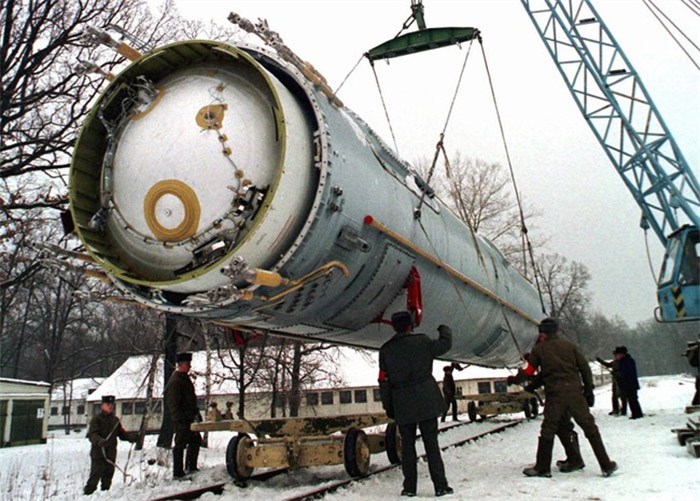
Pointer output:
218, 182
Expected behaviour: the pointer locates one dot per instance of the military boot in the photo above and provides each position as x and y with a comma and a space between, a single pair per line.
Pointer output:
178, 455
544, 459
573, 461
606, 466
191, 459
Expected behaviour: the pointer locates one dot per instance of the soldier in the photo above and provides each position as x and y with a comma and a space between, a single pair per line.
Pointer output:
411, 396
619, 401
213, 414
229, 411
562, 367
182, 404
565, 430
629, 384
449, 390
104, 429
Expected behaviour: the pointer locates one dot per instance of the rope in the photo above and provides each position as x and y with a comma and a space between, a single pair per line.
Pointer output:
348, 75
692, 7
523, 229
649, 260
648, 4
440, 144
386, 111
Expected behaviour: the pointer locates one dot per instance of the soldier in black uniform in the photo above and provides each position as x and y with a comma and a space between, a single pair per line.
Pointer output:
628, 381
568, 386
449, 390
103, 431
411, 396
182, 403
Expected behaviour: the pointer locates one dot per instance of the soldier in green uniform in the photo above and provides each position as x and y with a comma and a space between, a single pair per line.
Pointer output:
411, 396
103, 431
568, 386
181, 400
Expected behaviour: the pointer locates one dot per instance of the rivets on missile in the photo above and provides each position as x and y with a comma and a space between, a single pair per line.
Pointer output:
337, 191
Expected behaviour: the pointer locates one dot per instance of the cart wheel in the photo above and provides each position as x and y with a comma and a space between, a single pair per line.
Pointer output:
236, 453
393, 443
526, 409
535, 406
356, 453
471, 411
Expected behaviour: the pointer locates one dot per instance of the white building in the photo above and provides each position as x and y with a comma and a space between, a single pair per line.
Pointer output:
68, 406
23, 412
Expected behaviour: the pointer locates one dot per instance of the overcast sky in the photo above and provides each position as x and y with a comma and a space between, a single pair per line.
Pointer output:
587, 213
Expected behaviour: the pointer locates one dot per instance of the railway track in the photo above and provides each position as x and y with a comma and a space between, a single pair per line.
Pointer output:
319, 492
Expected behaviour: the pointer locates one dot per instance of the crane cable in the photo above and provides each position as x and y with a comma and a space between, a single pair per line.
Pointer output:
648, 4
692, 7
386, 111
523, 227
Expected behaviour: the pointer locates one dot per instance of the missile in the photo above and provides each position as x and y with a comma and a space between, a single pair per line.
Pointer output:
224, 183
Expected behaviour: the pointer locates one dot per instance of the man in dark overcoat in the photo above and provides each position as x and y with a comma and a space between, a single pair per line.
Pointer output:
449, 390
103, 431
411, 396
568, 386
181, 400
628, 381
619, 401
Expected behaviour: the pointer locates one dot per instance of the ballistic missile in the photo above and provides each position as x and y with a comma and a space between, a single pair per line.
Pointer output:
229, 184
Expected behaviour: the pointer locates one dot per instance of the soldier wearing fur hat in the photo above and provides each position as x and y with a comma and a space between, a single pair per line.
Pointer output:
568, 386
411, 396
628, 381
181, 400
103, 431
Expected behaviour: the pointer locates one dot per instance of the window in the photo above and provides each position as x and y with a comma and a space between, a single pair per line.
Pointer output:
500, 386
140, 408
360, 396
312, 399
81, 409
484, 386
157, 407
201, 404
127, 408
458, 390
279, 400
95, 409
54, 411
327, 398
65, 410
345, 397
377, 395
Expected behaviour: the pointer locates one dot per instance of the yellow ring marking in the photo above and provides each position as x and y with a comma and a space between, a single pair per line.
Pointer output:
187, 196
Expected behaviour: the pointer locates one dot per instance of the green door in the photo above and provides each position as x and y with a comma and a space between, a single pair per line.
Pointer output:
3, 420
27, 427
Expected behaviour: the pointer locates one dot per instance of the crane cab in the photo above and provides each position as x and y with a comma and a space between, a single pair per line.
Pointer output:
679, 282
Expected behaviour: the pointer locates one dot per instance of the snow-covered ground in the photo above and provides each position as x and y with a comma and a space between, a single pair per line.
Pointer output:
652, 466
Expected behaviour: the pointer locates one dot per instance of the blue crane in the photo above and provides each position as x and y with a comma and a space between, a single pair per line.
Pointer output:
615, 103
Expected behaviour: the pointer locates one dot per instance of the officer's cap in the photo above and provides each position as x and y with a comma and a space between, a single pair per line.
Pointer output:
401, 321
184, 357
549, 326
107, 399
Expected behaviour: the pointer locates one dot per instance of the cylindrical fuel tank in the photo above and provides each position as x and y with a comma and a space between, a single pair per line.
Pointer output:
204, 166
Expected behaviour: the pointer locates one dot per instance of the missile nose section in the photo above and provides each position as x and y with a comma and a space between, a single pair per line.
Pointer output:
194, 157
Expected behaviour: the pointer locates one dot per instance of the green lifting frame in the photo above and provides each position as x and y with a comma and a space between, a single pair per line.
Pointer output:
421, 40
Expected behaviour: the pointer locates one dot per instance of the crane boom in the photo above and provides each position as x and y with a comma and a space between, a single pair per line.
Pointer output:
615, 103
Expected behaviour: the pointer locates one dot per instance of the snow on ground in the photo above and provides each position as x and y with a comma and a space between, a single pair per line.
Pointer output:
652, 466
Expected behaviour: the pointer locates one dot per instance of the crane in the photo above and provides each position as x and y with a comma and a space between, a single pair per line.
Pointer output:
615, 103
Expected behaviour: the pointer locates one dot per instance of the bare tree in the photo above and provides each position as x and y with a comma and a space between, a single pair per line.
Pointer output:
481, 195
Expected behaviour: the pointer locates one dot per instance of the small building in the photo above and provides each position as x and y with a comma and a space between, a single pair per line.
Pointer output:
68, 406
23, 412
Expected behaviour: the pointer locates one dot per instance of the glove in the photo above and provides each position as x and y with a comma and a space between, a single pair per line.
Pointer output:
530, 388
590, 397
510, 380
102, 442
